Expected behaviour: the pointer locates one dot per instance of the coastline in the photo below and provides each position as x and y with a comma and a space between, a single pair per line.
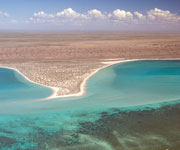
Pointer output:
107, 64
54, 89
83, 83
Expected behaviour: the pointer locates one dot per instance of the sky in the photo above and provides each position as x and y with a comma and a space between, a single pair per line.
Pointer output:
87, 15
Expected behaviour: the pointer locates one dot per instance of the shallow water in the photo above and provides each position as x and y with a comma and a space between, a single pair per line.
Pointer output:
131, 86
14, 87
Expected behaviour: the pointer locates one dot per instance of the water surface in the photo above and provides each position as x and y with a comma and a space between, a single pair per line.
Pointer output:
127, 86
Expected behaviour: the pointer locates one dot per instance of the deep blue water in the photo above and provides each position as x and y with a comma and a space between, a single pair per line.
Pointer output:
124, 86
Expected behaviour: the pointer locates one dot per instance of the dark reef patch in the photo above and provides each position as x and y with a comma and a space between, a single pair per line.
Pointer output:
154, 129
116, 129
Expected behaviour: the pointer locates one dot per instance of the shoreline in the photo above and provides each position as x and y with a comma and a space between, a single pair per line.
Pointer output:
54, 89
83, 83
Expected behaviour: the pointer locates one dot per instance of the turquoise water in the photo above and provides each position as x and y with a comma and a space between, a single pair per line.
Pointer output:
14, 87
124, 86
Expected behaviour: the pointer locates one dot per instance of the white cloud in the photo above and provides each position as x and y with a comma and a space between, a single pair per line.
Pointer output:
62, 17
95, 14
118, 18
42, 14
4, 14
155, 19
139, 15
162, 16
68, 13
121, 14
